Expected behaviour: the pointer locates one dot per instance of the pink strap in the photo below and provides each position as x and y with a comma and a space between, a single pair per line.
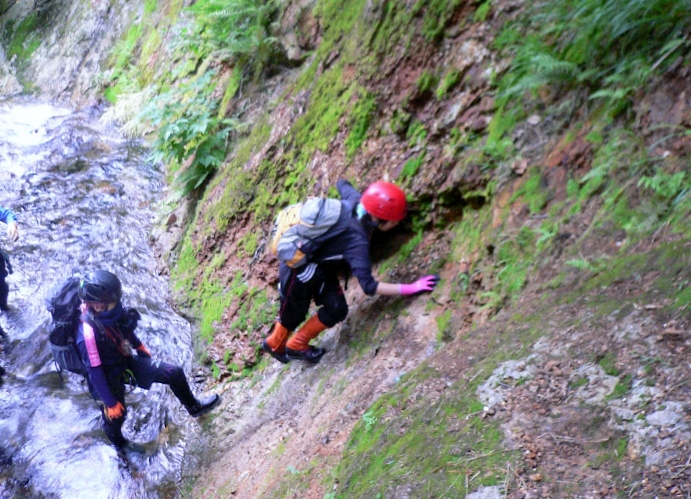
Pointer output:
90, 341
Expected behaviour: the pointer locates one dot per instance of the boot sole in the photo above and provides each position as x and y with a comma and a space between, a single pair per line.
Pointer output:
297, 355
207, 409
281, 357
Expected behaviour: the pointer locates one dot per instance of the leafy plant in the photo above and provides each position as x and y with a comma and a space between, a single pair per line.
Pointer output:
239, 31
664, 185
607, 48
190, 136
546, 233
581, 264
369, 419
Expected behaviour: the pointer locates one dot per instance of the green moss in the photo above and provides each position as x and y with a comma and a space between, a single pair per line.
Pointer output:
262, 309
214, 301
328, 102
360, 119
151, 45
403, 435
249, 244
387, 32
445, 326
150, 6
448, 82
416, 133
578, 382
186, 267
367, 334
240, 187
399, 123
622, 387
123, 52
482, 11
470, 235
427, 82
231, 91
411, 168
436, 16
533, 192
608, 363
24, 39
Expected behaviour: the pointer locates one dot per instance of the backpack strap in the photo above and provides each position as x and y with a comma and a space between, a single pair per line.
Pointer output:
90, 339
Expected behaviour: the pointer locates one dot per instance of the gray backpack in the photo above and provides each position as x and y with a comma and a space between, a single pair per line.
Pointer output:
301, 228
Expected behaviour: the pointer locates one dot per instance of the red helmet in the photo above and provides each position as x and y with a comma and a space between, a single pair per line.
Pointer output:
385, 201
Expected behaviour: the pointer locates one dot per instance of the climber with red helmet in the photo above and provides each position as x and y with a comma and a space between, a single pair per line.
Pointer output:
382, 206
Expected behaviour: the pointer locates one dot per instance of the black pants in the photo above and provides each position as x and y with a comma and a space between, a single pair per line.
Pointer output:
296, 296
145, 372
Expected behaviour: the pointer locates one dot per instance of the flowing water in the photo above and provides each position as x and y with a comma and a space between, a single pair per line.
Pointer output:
84, 197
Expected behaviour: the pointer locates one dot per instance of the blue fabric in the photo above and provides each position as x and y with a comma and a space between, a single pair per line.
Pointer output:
7, 216
98, 381
353, 245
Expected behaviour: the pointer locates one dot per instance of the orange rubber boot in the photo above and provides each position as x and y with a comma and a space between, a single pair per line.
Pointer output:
278, 337
310, 330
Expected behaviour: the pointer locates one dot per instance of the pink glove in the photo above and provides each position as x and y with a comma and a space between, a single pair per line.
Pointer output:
426, 283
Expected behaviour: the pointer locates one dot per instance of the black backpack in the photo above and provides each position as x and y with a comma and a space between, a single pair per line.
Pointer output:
63, 304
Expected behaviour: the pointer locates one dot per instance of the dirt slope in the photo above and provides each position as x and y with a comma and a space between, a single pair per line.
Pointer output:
576, 386
596, 403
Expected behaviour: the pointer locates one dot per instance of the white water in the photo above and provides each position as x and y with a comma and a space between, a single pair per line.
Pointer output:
84, 197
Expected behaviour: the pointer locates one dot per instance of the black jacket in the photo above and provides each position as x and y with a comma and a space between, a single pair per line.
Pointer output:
351, 246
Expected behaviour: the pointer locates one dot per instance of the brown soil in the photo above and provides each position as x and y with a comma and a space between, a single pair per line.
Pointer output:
295, 414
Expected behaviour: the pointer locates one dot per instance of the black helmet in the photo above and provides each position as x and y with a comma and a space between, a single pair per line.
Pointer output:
101, 286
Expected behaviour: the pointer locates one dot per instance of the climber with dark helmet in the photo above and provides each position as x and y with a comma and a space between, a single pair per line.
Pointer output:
382, 206
114, 356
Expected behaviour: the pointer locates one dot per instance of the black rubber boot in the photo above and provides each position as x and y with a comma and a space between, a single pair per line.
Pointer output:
312, 354
4, 293
281, 357
113, 430
201, 407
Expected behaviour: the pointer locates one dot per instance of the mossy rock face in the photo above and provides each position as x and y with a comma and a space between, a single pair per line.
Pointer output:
59, 46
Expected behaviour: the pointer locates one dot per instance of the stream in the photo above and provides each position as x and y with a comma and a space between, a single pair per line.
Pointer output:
85, 198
